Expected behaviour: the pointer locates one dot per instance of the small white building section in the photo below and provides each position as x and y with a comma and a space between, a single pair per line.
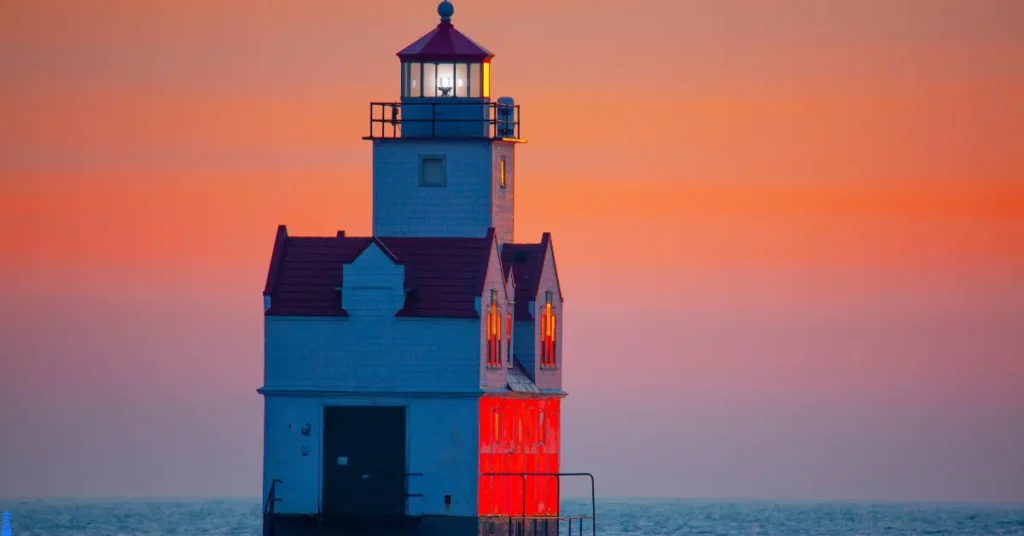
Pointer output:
383, 355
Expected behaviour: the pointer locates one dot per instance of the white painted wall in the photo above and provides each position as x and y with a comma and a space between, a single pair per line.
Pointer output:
472, 201
441, 443
401, 207
361, 353
373, 285
503, 199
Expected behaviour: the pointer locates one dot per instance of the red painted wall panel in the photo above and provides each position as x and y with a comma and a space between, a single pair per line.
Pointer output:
518, 435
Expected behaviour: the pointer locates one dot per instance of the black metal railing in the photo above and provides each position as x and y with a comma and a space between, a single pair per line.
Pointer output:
408, 494
519, 525
268, 509
452, 120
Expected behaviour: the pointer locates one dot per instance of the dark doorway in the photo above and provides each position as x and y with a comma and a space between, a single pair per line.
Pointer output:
364, 460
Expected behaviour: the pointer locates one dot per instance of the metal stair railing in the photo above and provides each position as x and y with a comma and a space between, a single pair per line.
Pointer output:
519, 523
268, 509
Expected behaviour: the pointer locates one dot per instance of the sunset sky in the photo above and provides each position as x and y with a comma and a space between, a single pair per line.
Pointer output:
790, 233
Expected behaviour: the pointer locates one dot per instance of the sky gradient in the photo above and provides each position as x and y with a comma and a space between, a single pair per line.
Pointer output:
790, 234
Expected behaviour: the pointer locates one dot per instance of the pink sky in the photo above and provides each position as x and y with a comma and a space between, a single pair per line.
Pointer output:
790, 233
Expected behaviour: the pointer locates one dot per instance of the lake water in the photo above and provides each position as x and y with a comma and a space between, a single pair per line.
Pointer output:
241, 517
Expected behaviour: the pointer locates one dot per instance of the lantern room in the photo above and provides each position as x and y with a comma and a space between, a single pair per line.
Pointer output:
445, 63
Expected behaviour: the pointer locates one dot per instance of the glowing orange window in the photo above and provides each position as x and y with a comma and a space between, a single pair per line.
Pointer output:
508, 338
494, 333
548, 329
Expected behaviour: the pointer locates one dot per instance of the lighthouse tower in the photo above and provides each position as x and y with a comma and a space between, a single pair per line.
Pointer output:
413, 378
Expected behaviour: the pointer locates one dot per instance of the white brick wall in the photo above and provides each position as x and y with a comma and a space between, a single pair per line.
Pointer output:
401, 207
371, 353
441, 443
471, 202
503, 199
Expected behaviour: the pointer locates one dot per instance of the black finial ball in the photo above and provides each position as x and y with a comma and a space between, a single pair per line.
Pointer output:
446, 10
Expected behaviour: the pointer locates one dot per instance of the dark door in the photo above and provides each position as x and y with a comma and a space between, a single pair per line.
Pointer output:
364, 460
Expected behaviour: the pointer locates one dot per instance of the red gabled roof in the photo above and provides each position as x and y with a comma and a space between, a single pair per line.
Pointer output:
305, 273
444, 43
443, 276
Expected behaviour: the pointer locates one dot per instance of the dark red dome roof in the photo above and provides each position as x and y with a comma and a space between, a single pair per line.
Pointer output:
445, 43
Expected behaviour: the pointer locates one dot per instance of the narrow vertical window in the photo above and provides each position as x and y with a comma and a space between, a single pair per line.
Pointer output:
501, 177
541, 433
486, 83
497, 424
508, 338
548, 330
493, 332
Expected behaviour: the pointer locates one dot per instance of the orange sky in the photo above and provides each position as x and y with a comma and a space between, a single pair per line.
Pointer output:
785, 172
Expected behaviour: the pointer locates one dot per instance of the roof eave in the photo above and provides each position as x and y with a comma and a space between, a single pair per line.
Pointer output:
454, 58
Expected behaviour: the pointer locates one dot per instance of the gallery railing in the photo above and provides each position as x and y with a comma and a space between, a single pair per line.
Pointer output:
450, 120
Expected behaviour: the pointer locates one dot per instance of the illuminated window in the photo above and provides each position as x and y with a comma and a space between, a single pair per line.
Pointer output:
429, 80
548, 330
508, 338
442, 80
493, 332
474, 80
413, 75
461, 80
501, 177
433, 171
541, 433
497, 426
486, 83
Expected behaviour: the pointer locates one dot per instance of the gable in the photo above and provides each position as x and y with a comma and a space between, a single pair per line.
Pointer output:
524, 265
373, 281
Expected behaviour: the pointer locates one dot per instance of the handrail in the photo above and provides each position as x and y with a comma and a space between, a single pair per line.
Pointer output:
593, 499
502, 120
268, 507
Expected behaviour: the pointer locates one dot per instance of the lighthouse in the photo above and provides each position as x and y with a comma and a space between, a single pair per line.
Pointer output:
413, 378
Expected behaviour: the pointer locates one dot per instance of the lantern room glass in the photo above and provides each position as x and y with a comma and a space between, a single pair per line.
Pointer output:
413, 77
474, 80
445, 79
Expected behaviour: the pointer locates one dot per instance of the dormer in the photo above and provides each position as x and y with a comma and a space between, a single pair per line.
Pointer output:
373, 284
538, 310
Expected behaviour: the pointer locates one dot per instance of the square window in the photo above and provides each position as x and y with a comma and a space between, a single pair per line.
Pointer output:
433, 171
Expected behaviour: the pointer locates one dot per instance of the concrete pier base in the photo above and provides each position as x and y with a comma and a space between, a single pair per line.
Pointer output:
295, 525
